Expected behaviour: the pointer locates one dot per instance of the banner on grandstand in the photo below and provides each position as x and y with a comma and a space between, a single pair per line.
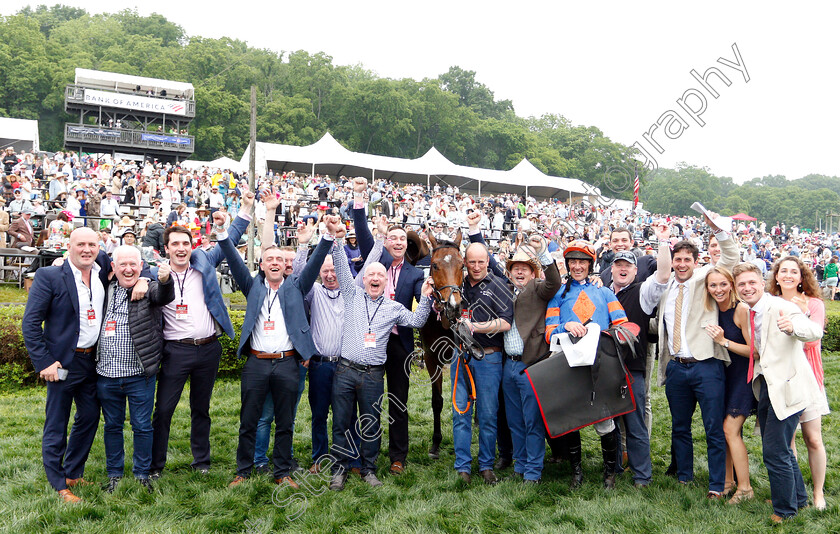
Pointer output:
165, 139
81, 130
135, 102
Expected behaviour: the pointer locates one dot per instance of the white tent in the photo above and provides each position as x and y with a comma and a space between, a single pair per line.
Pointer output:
20, 134
328, 156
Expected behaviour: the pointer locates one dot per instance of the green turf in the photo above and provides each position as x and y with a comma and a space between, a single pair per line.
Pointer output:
428, 497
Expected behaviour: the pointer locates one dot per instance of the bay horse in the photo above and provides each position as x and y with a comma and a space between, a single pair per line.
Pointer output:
443, 335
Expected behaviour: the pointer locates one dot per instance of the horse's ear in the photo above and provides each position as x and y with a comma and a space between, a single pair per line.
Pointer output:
416, 249
432, 239
457, 239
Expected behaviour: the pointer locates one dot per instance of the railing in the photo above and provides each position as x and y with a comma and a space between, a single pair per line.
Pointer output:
76, 94
88, 134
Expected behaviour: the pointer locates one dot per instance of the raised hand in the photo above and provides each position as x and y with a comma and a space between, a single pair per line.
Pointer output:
333, 223
428, 287
382, 225
473, 220
163, 272
662, 231
360, 185
270, 199
784, 323
305, 232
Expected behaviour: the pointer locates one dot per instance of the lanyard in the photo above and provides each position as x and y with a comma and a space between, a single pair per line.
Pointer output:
271, 301
90, 292
371, 317
181, 282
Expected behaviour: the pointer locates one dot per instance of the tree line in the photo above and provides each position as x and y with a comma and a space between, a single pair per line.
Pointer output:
301, 95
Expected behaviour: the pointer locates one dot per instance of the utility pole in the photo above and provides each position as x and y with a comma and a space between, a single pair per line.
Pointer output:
252, 172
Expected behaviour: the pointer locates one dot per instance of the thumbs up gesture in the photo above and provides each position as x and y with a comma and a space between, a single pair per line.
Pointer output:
784, 323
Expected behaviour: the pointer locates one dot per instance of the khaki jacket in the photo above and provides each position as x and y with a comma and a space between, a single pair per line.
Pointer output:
699, 343
791, 384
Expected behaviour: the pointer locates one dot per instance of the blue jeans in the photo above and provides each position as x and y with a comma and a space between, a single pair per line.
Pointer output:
525, 422
320, 398
352, 387
686, 386
264, 424
638, 441
487, 374
140, 393
787, 489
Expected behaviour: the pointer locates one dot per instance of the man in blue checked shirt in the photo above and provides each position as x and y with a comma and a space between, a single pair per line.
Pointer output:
368, 320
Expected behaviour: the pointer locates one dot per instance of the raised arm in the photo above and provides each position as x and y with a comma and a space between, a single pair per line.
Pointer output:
313, 266
235, 230
271, 201
238, 269
473, 221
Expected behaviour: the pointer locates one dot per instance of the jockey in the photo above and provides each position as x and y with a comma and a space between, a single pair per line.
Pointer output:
578, 302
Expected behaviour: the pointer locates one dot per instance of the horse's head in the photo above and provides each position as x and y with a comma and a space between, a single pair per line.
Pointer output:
447, 270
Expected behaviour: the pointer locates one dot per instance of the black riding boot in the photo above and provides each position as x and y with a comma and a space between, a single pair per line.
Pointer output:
608, 446
574, 451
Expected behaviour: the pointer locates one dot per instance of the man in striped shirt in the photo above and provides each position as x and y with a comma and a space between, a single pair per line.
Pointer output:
369, 318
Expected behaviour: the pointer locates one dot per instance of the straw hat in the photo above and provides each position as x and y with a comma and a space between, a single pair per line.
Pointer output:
126, 221
524, 255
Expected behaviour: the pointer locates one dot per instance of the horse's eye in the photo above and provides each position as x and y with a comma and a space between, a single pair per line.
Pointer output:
434, 267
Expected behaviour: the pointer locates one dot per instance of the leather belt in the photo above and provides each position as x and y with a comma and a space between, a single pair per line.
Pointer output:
491, 350
360, 366
85, 351
318, 358
515, 357
196, 342
274, 355
685, 360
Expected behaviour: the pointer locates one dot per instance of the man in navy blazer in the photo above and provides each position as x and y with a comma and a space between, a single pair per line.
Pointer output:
404, 282
192, 324
68, 301
275, 334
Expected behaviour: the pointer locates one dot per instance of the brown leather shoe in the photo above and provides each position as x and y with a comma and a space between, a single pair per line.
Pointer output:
356, 471
315, 469
67, 496
237, 480
73, 482
287, 480
489, 477
714, 495
465, 477
397, 468
776, 519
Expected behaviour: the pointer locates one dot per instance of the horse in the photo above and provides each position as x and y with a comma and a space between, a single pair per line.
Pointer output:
443, 334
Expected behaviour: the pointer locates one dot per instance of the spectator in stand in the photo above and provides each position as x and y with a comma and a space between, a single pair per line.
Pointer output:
830, 276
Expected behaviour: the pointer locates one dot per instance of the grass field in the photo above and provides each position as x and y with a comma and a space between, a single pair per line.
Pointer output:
428, 497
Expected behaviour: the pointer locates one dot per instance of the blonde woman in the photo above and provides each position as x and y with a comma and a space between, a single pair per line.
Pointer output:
739, 402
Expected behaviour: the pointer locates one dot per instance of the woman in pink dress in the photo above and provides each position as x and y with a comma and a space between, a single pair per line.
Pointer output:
794, 281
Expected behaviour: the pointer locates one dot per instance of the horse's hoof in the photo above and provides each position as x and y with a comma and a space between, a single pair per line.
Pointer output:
434, 453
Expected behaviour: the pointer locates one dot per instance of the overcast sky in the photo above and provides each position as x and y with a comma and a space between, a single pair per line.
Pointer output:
615, 65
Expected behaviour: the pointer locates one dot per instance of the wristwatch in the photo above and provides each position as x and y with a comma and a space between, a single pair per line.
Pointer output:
726, 344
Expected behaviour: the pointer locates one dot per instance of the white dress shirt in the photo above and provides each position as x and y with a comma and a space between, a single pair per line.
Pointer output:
89, 298
670, 307
276, 340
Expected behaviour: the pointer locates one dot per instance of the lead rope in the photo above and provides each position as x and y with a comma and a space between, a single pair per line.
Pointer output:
471, 394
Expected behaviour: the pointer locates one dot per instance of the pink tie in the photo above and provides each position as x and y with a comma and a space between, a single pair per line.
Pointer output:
752, 347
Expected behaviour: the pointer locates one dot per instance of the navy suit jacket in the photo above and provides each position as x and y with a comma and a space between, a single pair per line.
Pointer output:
409, 284
205, 262
54, 301
290, 296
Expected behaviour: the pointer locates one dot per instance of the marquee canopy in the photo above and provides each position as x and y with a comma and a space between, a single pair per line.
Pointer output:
113, 81
20, 134
328, 156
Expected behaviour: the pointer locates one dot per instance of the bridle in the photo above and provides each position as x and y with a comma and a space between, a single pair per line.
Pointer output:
452, 288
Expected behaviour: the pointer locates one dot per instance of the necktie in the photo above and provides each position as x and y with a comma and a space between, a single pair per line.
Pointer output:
752, 347
678, 309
